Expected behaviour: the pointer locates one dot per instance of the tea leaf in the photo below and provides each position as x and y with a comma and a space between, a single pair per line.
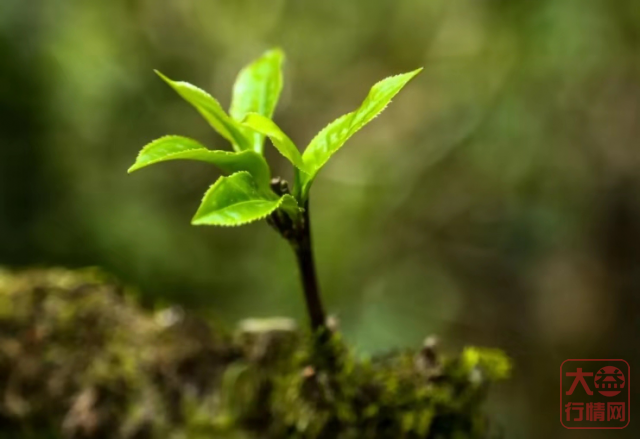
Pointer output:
211, 110
257, 90
334, 135
279, 139
234, 201
182, 148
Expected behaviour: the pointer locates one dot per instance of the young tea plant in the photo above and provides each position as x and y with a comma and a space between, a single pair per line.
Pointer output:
249, 194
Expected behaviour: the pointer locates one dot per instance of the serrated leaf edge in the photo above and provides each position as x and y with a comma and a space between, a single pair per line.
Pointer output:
351, 114
308, 178
241, 223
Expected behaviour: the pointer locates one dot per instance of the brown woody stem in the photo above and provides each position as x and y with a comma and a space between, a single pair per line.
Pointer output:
303, 248
298, 232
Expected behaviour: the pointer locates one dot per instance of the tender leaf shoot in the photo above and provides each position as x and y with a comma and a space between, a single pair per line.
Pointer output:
236, 200
212, 111
279, 139
334, 135
246, 195
182, 148
257, 90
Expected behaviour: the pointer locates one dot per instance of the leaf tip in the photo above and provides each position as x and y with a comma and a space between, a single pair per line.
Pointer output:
162, 76
196, 221
410, 75
275, 52
198, 217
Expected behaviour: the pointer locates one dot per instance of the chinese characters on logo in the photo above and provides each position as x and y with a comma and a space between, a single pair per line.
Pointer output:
594, 394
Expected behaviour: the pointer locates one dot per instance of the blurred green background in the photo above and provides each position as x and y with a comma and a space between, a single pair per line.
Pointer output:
495, 202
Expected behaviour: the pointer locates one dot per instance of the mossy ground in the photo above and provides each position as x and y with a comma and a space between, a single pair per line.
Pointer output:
80, 359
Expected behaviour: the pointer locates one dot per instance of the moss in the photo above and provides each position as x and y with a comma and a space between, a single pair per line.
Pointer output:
412, 395
79, 359
77, 354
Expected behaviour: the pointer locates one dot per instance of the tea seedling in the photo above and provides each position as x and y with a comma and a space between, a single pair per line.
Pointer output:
248, 193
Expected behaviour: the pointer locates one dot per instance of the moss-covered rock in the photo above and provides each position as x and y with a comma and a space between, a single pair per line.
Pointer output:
80, 359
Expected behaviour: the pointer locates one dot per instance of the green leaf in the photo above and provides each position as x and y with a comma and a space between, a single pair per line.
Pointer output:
334, 135
257, 90
211, 110
234, 201
182, 148
279, 139
291, 207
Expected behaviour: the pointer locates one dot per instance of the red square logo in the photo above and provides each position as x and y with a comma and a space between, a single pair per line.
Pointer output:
595, 394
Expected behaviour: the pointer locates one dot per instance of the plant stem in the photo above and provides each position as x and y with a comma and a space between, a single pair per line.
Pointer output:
298, 232
304, 252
